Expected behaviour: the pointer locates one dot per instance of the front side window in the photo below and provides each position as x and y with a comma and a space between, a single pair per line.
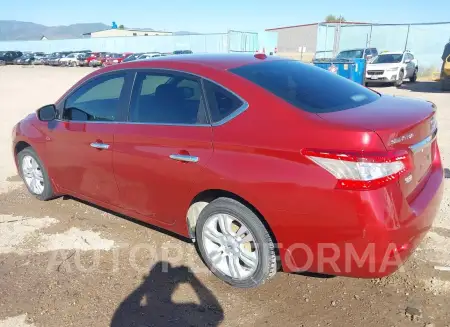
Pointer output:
164, 98
97, 100
307, 87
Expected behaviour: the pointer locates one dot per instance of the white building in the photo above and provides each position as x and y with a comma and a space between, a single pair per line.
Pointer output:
115, 32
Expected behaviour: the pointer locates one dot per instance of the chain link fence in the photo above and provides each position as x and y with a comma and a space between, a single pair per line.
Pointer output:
426, 41
233, 41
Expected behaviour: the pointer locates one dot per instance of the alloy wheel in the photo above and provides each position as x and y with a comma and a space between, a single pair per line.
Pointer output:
230, 246
32, 174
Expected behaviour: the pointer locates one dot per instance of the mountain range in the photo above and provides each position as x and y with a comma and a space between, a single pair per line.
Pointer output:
17, 30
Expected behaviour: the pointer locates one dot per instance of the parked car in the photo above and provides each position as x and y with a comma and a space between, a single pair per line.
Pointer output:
150, 55
266, 171
100, 59
8, 57
89, 57
178, 52
70, 60
54, 60
392, 67
26, 59
116, 58
132, 57
38, 58
367, 53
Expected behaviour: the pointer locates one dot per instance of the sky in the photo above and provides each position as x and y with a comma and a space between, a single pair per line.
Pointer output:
220, 15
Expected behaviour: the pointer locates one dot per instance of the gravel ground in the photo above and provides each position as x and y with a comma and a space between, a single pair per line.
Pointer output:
67, 263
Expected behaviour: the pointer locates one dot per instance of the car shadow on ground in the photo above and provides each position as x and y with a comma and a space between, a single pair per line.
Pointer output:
419, 86
423, 86
151, 304
129, 218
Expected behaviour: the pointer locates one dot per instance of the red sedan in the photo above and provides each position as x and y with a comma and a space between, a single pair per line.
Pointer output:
265, 163
116, 58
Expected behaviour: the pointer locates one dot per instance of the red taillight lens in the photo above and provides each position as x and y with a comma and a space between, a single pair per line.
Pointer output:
361, 170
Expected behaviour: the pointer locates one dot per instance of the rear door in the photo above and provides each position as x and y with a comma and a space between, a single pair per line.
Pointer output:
81, 143
161, 152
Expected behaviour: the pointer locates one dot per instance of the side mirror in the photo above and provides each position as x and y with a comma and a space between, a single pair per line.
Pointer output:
369, 57
407, 61
47, 113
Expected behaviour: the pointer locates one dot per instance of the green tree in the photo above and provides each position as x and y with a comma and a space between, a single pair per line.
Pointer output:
121, 27
334, 19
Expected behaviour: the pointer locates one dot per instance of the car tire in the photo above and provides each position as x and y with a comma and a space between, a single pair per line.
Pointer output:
413, 78
242, 265
31, 167
399, 81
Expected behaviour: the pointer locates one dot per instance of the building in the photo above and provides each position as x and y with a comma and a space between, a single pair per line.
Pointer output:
115, 32
299, 38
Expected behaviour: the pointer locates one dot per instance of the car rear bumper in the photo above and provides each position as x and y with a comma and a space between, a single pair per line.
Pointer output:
371, 238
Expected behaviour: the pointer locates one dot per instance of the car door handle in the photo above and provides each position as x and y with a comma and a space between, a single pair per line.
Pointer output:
100, 146
183, 157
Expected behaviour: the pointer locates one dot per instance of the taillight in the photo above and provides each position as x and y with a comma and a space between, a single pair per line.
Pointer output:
361, 170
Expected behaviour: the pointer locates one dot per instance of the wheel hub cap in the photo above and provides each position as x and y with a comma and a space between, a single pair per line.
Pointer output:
32, 174
230, 246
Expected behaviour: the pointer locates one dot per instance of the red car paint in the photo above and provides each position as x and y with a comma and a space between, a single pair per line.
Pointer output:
116, 60
259, 156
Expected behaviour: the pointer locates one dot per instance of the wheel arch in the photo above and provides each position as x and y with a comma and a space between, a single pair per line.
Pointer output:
202, 199
21, 145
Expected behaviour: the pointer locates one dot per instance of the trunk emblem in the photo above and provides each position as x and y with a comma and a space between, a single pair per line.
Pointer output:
402, 138
408, 179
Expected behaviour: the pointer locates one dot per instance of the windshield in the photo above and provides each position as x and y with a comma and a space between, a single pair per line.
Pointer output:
307, 87
132, 57
350, 54
388, 58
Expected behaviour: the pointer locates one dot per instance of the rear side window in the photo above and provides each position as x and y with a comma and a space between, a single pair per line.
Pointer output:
222, 103
307, 87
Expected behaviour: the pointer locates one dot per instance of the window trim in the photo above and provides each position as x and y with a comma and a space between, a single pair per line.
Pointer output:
226, 119
130, 77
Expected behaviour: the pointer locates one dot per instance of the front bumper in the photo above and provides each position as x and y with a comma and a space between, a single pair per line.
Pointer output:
386, 77
370, 237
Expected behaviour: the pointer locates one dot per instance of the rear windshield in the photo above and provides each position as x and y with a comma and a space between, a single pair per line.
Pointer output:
307, 87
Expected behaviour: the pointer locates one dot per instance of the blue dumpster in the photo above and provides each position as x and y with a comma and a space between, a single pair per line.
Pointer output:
353, 69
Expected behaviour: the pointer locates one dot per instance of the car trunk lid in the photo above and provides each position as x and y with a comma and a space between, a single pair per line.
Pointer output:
402, 124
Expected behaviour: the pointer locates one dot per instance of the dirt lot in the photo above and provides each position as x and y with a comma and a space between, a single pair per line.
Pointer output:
67, 263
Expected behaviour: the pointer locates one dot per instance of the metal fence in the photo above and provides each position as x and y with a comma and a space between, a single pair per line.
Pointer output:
425, 40
233, 41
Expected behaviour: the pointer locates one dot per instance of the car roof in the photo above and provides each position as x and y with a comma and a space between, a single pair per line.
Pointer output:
217, 61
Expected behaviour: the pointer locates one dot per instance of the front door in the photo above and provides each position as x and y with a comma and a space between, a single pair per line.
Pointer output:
81, 144
161, 152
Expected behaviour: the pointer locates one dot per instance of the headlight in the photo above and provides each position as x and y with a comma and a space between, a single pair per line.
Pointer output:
392, 69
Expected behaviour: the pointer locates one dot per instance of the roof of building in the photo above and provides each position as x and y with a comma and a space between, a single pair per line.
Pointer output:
312, 24
129, 29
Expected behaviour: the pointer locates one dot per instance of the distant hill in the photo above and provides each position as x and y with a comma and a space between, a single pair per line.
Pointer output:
16, 30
